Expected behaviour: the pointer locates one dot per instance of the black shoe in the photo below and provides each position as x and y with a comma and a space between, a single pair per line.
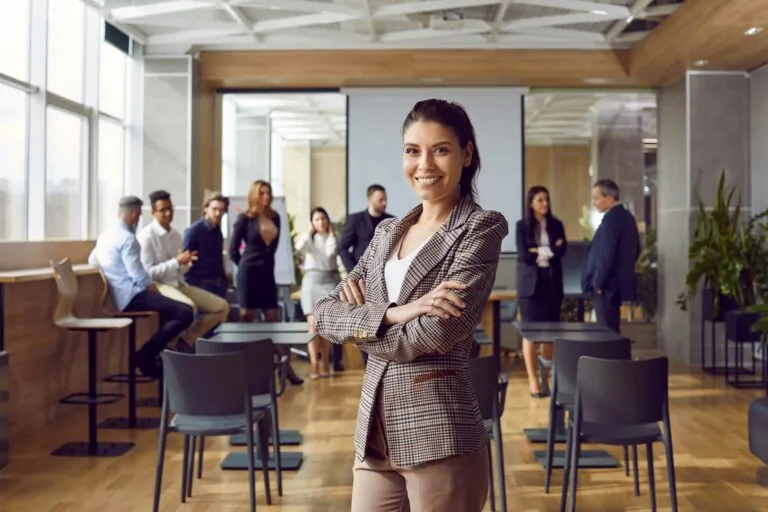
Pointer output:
338, 368
148, 367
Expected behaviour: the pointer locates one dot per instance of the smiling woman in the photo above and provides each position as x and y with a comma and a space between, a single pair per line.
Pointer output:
412, 303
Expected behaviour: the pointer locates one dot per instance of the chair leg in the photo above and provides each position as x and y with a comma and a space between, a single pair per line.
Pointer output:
500, 465
634, 466
491, 485
200, 457
191, 465
276, 447
263, 447
159, 467
566, 469
551, 431
184, 471
651, 482
671, 475
251, 467
576, 452
626, 460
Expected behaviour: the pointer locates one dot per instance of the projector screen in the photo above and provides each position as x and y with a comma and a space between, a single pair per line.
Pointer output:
375, 146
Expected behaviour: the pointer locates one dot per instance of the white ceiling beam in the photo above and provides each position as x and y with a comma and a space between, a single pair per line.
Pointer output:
305, 6
498, 20
631, 37
134, 13
135, 33
562, 33
305, 20
428, 33
552, 21
192, 36
240, 18
618, 27
399, 9
616, 11
658, 11
319, 33
365, 8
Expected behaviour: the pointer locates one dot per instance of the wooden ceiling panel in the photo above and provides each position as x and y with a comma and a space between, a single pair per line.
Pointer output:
710, 30
316, 69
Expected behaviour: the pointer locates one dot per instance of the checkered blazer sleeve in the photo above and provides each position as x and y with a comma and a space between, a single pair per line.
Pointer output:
339, 321
475, 264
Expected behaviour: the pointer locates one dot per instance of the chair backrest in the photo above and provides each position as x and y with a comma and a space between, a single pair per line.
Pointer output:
568, 352
623, 392
66, 283
260, 357
206, 385
106, 298
485, 382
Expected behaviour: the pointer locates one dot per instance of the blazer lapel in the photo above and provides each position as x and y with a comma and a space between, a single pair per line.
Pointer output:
436, 248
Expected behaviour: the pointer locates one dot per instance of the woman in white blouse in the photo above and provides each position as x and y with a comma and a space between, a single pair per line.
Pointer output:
318, 248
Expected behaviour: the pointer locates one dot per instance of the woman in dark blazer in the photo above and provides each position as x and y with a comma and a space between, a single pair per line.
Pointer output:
541, 245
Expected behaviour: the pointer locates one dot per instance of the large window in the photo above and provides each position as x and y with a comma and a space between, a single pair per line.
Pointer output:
14, 38
111, 171
66, 48
113, 66
65, 154
13, 156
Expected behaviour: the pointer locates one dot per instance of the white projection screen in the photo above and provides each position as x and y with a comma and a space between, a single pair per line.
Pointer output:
374, 148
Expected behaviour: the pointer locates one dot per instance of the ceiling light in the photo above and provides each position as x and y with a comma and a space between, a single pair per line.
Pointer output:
600, 12
753, 31
597, 81
434, 80
629, 20
700, 62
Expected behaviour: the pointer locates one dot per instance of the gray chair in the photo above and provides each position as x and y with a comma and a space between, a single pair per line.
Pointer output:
260, 355
757, 431
566, 360
621, 403
211, 396
490, 386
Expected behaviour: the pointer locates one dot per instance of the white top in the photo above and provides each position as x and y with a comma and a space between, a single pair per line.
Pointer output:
545, 252
395, 270
319, 252
159, 249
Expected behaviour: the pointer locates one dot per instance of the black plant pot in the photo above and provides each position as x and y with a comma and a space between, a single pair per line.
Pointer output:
708, 305
738, 326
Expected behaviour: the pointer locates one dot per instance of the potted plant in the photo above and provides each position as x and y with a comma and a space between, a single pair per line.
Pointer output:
728, 255
647, 276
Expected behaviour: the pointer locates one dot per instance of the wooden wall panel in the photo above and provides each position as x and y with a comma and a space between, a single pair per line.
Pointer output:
564, 170
27, 255
328, 174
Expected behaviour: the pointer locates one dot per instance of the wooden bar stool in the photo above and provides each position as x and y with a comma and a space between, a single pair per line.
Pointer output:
63, 317
132, 421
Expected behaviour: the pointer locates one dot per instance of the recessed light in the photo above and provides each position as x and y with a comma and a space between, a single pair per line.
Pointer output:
432, 80
600, 12
753, 31
597, 80
700, 62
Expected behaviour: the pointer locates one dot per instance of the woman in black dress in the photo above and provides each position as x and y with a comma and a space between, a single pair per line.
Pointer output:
258, 230
254, 242
541, 245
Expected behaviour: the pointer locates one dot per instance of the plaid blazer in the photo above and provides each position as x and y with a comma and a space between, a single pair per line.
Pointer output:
420, 369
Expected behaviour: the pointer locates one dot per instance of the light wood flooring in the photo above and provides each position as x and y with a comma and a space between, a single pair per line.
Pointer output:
715, 470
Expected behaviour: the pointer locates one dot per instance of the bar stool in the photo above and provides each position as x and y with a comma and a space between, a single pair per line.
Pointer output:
63, 317
132, 421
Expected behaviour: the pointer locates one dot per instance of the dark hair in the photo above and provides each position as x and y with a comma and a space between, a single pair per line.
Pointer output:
608, 188
322, 210
453, 116
158, 195
372, 189
532, 226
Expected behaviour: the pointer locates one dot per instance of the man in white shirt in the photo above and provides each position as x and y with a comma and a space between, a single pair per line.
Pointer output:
166, 264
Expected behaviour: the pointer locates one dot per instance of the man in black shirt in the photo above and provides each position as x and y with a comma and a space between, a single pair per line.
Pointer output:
358, 233
360, 226
205, 238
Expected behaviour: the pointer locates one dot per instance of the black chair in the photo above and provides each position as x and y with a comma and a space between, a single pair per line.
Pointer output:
621, 403
211, 396
757, 430
566, 362
490, 386
260, 355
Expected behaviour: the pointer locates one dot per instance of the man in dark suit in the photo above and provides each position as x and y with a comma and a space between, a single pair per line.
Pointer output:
358, 233
609, 277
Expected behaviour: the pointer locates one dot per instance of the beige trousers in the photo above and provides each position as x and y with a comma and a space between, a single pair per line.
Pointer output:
215, 309
455, 484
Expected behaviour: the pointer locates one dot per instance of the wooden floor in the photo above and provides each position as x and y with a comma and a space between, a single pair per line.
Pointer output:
715, 470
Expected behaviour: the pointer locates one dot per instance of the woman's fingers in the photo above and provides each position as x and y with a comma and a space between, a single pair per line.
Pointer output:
352, 292
447, 307
342, 295
451, 285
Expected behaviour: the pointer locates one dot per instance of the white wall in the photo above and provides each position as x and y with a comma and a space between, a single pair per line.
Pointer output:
375, 119
758, 130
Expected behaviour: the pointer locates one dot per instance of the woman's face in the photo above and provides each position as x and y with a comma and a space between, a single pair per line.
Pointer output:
433, 160
320, 222
265, 195
540, 203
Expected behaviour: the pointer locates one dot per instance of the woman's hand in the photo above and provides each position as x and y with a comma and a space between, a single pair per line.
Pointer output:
441, 301
353, 292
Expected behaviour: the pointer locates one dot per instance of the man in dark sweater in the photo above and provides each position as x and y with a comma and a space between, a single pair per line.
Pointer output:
205, 237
